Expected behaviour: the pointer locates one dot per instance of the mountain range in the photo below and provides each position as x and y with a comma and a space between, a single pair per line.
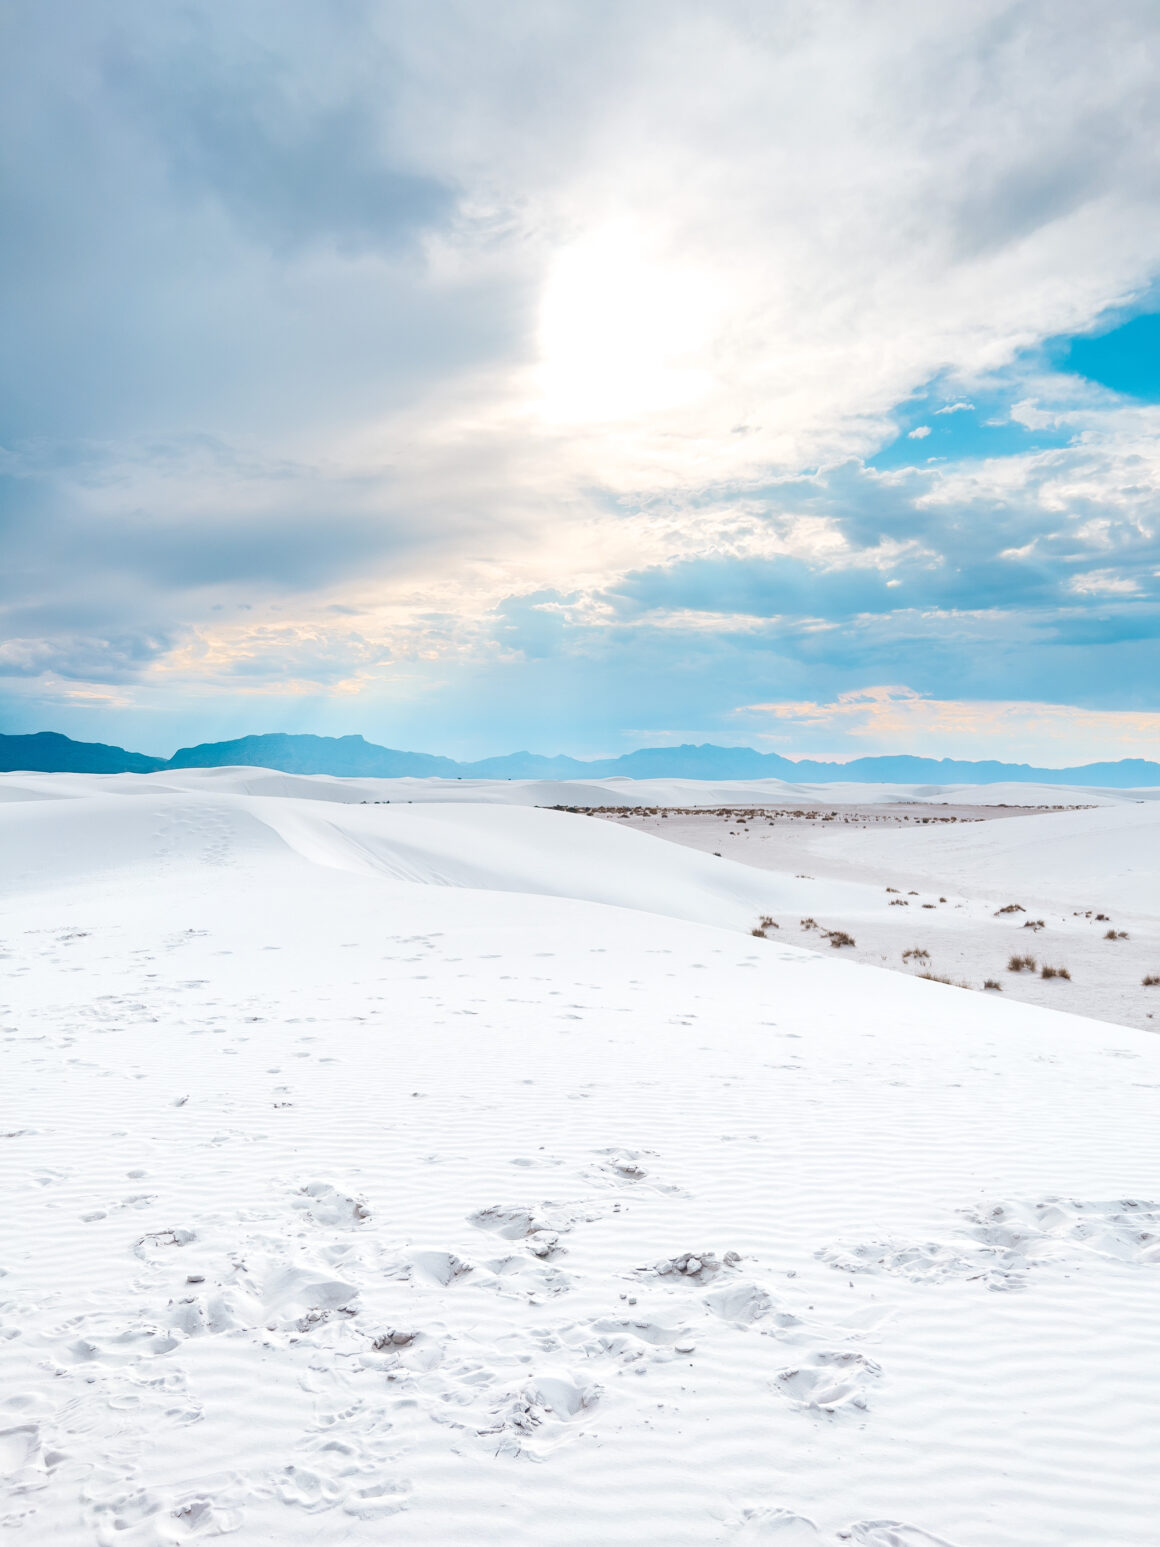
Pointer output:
351, 756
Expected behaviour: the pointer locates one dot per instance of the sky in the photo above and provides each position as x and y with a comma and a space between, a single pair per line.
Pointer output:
577, 375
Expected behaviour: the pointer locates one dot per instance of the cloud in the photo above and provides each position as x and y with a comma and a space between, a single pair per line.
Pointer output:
287, 154
1103, 582
434, 346
893, 719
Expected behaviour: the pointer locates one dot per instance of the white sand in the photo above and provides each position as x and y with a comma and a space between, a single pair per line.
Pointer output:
344, 1146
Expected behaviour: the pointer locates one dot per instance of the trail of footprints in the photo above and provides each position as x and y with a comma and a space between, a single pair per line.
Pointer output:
374, 1329
1001, 1244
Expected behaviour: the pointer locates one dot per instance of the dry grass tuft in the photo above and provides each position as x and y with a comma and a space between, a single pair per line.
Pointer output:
1012, 907
916, 953
1022, 964
1152, 980
993, 983
1054, 972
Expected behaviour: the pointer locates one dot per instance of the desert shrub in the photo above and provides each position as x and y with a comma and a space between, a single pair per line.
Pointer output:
993, 983
899, 902
1102, 918
808, 923
916, 953
942, 899
891, 888
1054, 972
839, 937
1116, 934
1021, 964
1012, 907
1036, 924
759, 932
1152, 980
768, 923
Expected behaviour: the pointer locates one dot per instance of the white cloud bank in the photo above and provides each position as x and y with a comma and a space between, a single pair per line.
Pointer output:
888, 719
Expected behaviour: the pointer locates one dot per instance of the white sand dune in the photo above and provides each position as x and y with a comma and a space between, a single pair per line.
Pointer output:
462, 1172
501, 848
548, 792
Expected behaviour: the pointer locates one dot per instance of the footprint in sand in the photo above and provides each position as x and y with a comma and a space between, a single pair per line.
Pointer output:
629, 1340
145, 1518
891, 1533
774, 1528
326, 1205
540, 1227
628, 1168
539, 1414
1003, 1241
742, 1304
439, 1267
829, 1381
1127, 1229
925, 1262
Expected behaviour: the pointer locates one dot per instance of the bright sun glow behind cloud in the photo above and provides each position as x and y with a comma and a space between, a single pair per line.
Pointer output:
622, 332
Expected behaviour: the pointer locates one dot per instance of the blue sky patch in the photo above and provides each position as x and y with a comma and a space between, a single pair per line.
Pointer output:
938, 425
1126, 359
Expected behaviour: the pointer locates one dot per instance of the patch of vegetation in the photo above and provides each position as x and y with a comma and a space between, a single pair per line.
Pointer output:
1151, 980
916, 953
1054, 972
899, 902
1022, 964
836, 937
993, 983
1116, 934
1012, 907
1035, 924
